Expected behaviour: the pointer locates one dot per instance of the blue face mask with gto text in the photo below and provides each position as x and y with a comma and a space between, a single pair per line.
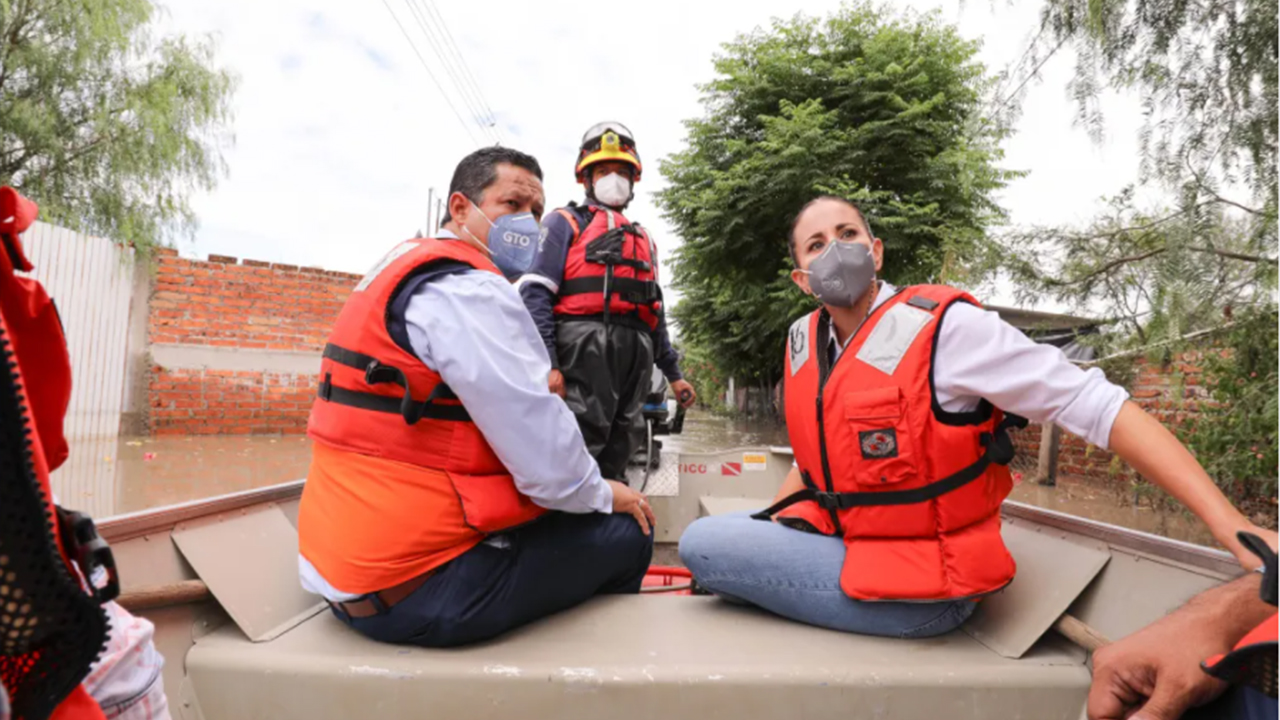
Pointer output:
513, 241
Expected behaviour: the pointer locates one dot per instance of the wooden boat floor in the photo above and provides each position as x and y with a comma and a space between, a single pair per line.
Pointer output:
632, 657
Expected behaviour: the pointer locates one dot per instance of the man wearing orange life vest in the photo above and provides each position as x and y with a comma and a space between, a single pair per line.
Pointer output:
591, 286
450, 496
898, 405
1221, 644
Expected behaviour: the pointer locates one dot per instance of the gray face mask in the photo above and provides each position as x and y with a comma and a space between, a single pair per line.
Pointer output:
842, 273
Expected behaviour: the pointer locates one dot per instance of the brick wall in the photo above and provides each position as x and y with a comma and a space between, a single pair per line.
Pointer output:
1171, 392
248, 336
258, 314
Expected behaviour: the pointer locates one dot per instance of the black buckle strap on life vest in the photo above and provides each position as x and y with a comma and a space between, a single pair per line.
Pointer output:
794, 498
375, 373
999, 450
628, 320
808, 493
608, 249
388, 404
636, 292
81, 541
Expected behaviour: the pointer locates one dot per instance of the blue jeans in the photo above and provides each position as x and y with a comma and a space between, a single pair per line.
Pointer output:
797, 575
512, 579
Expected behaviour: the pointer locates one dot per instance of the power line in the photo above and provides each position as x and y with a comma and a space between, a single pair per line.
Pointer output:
453, 44
430, 74
436, 43
466, 69
461, 73
1031, 75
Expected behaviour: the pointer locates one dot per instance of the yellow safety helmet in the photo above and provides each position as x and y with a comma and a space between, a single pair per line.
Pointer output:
604, 142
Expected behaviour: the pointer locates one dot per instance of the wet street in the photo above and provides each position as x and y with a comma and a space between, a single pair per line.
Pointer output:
117, 477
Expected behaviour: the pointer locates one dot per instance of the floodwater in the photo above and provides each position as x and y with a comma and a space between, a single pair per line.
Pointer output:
134, 474
131, 474
1115, 506
704, 432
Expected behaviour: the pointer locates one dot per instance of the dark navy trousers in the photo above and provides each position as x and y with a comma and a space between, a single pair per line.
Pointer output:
514, 578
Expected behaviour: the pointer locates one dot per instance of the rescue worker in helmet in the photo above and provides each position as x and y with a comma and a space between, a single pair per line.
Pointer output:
898, 404
450, 496
591, 286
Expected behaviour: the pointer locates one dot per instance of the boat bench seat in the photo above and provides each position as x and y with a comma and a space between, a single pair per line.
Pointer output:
632, 657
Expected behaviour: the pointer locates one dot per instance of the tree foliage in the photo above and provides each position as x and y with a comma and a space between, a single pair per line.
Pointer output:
1159, 275
1234, 436
882, 107
1207, 75
107, 126
1204, 259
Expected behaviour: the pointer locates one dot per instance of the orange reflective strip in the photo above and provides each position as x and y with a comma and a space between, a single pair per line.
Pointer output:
573, 223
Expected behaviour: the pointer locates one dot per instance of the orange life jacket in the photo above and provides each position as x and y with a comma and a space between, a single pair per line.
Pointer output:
1253, 661
54, 627
629, 264
915, 491
401, 479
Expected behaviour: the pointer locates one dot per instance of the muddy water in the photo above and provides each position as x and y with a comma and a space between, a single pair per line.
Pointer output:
1111, 506
138, 473
704, 432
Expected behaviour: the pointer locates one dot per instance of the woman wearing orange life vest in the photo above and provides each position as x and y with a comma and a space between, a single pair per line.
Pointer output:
898, 404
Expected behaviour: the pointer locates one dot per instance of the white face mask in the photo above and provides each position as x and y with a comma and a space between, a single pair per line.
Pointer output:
613, 190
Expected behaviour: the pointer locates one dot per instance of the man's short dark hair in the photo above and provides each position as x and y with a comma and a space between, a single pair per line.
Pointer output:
791, 232
479, 170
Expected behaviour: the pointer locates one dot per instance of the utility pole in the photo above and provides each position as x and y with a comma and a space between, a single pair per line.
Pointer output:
430, 203
439, 213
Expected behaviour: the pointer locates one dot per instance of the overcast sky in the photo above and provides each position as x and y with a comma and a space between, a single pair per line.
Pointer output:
340, 132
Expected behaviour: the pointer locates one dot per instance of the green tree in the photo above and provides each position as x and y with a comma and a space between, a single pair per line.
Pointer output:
1207, 75
883, 107
109, 127
1158, 275
701, 371
1234, 436
1204, 259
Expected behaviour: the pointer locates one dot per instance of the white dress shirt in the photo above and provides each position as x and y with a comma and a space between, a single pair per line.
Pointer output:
980, 356
473, 329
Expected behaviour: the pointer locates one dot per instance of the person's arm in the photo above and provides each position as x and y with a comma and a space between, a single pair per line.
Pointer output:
1155, 673
664, 355
981, 356
668, 361
473, 329
793, 484
540, 286
1158, 456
